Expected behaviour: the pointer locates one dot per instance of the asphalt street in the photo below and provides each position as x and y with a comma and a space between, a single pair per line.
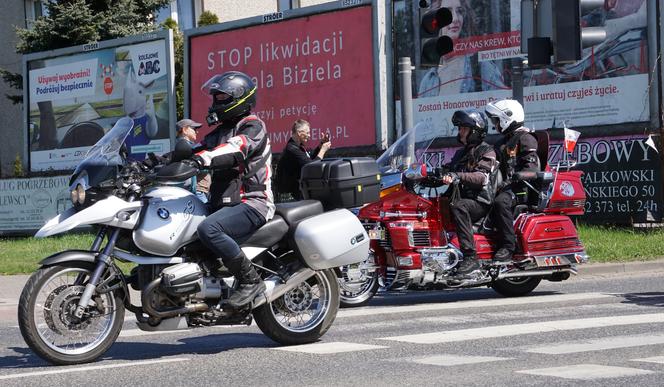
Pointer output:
593, 330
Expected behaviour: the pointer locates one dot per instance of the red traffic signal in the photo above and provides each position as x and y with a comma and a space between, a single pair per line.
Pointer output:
433, 21
436, 46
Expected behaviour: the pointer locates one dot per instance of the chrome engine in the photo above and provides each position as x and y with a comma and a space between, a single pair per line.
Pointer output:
187, 279
440, 259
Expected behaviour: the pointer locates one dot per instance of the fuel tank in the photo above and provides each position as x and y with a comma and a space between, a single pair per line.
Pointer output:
169, 221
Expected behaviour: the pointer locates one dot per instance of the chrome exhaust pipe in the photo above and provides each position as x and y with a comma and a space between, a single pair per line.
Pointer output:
276, 289
165, 313
535, 273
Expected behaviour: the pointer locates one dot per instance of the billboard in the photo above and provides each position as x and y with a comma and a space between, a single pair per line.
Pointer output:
75, 95
318, 67
608, 86
621, 176
26, 204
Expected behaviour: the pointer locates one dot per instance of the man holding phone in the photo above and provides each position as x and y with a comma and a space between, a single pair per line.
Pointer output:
295, 156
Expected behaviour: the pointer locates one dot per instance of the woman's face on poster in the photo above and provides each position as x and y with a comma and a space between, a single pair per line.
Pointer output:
453, 30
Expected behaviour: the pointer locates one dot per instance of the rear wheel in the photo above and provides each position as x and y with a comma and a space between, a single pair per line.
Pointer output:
516, 287
303, 314
47, 321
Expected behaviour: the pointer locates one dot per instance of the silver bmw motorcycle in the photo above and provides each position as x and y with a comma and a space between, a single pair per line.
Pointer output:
72, 308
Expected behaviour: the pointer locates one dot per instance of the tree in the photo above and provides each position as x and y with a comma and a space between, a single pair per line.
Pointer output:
74, 22
207, 18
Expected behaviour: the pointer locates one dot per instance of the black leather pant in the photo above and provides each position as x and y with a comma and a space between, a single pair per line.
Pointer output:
466, 212
503, 219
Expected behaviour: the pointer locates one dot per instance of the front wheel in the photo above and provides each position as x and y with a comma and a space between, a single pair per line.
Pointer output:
303, 314
47, 321
516, 287
357, 285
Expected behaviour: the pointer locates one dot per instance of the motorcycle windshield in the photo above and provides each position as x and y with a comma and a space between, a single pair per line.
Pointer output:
102, 160
408, 149
107, 150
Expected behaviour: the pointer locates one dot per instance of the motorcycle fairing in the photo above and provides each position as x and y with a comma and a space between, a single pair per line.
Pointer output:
102, 212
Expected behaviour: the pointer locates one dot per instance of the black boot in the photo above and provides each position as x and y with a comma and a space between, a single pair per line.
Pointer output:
251, 283
468, 265
503, 255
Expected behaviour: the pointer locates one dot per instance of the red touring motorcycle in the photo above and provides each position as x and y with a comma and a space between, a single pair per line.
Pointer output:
413, 239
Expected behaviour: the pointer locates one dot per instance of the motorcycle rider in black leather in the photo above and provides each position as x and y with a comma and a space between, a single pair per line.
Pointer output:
238, 153
517, 151
473, 168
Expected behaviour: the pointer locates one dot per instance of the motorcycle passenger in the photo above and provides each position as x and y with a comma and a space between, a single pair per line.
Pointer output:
517, 151
239, 155
473, 168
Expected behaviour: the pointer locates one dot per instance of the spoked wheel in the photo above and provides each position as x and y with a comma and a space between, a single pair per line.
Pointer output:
516, 287
357, 284
47, 321
303, 314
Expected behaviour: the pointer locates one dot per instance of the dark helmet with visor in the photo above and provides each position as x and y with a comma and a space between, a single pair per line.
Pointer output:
473, 119
233, 95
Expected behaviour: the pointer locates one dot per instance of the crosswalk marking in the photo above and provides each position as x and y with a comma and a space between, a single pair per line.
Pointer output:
521, 329
587, 371
598, 344
372, 311
328, 348
654, 359
453, 360
93, 368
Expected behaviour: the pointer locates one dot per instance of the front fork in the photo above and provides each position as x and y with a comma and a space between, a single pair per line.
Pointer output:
103, 261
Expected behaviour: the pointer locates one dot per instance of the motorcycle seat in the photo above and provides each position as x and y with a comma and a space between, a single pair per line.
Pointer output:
293, 212
269, 234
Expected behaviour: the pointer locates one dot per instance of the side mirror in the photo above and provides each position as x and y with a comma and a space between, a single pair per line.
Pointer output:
416, 172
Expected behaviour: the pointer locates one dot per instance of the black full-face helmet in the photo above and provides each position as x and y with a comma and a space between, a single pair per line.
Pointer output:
233, 95
473, 119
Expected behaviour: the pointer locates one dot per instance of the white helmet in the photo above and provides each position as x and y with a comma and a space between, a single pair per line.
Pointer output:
506, 115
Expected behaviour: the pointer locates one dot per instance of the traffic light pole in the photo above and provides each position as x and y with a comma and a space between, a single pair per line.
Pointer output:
517, 79
405, 76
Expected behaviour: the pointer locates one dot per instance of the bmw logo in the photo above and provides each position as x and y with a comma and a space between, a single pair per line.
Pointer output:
163, 213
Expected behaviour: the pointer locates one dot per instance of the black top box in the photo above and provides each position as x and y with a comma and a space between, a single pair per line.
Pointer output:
341, 183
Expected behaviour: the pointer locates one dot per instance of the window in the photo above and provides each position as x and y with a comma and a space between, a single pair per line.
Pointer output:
283, 5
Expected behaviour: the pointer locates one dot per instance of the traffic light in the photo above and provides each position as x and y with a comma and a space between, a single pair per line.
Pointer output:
569, 38
434, 46
553, 27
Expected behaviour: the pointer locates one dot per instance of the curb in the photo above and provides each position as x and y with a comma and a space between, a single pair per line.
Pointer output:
621, 267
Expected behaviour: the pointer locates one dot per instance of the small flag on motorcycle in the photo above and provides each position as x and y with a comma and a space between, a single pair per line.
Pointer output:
571, 136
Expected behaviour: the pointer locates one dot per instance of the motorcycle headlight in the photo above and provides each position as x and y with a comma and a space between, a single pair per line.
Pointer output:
81, 193
77, 195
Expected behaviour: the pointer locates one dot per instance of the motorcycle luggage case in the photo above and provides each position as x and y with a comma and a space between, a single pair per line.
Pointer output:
341, 183
568, 196
331, 239
547, 234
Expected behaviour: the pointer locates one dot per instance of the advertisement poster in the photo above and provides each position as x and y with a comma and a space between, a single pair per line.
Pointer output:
74, 99
26, 204
609, 85
318, 68
621, 178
